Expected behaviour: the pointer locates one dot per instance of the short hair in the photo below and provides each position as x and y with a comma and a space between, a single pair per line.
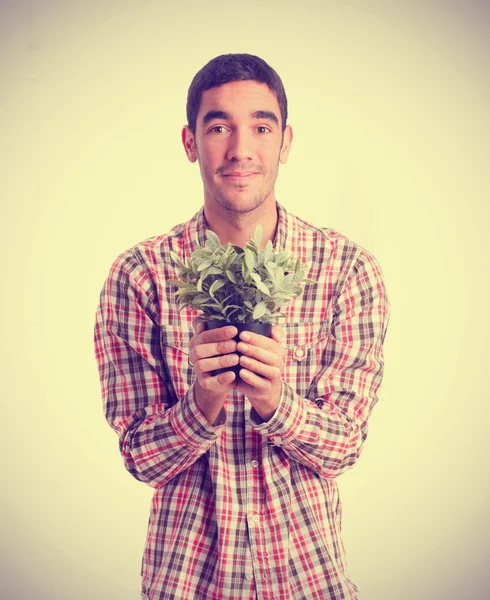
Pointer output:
233, 67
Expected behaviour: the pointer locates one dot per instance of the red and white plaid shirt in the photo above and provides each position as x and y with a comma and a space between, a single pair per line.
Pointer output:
244, 510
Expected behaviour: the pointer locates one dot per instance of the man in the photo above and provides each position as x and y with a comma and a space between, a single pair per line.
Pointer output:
246, 503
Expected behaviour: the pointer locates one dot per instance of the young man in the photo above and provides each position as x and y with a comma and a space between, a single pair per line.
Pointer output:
246, 504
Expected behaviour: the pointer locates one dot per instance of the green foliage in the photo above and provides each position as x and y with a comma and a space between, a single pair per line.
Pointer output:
235, 284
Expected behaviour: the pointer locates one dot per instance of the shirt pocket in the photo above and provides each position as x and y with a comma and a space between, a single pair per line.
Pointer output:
305, 344
174, 343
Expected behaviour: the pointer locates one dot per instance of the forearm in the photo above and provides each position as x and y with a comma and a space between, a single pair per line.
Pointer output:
320, 437
210, 405
158, 444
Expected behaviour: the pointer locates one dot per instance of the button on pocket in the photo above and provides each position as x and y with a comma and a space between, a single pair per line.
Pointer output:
304, 343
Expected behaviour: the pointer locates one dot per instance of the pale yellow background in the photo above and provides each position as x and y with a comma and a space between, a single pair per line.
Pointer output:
390, 108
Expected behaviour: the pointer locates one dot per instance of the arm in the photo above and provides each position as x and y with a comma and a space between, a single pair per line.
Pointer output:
326, 431
159, 435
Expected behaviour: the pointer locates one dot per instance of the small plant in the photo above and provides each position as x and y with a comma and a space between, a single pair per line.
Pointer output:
239, 285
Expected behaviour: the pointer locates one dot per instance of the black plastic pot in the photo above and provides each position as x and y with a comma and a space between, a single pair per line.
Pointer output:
262, 328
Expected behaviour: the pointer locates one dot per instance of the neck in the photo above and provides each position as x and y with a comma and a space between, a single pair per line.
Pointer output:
237, 227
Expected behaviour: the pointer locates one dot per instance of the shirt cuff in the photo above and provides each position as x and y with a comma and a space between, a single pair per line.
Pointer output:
286, 422
191, 426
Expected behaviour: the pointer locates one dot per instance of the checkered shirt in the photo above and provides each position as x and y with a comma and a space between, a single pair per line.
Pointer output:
244, 509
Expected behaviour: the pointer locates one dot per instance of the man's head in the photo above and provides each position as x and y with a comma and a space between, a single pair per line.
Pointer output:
237, 111
234, 67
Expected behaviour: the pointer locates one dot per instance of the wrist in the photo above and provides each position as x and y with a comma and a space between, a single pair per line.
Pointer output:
210, 404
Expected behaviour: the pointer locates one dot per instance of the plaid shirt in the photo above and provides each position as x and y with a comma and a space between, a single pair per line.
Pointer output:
244, 510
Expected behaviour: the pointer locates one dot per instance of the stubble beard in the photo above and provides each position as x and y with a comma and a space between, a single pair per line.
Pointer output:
240, 206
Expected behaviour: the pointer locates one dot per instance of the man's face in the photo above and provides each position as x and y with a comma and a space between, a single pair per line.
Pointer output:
239, 144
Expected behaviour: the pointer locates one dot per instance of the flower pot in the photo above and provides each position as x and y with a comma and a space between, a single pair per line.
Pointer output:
261, 328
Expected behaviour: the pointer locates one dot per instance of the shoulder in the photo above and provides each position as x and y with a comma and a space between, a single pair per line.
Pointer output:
142, 262
150, 250
341, 249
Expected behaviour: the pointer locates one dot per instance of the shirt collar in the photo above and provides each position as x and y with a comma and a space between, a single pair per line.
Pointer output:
195, 231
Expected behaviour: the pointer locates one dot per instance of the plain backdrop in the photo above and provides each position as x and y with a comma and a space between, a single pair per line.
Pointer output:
389, 103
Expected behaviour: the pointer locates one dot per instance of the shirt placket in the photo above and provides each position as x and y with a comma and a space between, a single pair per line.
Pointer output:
259, 568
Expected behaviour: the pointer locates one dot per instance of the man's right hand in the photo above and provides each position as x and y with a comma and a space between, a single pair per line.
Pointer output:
210, 350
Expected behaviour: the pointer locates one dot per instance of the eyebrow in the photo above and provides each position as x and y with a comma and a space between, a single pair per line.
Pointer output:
215, 114
265, 114
258, 114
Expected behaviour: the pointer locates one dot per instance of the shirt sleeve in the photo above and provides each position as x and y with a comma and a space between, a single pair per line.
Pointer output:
327, 430
159, 434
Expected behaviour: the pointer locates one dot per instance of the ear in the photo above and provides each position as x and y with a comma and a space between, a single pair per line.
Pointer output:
286, 144
189, 143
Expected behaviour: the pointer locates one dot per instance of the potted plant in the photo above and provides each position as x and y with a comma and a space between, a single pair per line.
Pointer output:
238, 286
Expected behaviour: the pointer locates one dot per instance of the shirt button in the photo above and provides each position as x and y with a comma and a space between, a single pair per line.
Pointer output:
264, 432
254, 463
249, 575
256, 518
299, 353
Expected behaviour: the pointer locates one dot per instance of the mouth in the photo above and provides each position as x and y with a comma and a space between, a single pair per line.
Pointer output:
240, 176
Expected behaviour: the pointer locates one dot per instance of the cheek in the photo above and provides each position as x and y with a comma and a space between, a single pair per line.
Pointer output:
211, 160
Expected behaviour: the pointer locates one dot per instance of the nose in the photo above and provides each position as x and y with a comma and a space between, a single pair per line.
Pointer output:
240, 145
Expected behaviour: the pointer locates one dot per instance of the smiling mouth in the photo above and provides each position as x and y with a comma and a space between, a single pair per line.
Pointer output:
240, 176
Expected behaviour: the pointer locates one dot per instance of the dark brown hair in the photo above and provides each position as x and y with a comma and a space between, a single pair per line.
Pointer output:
233, 67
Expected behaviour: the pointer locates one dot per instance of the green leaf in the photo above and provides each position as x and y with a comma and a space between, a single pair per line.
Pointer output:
179, 284
257, 237
281, 257
213, 241
215, 286
268, 252
177, 260
231, 276
245, 271
249, 259
259, 310
205, 264
184, 291
201, 299
279, 277
263, 288
212, 271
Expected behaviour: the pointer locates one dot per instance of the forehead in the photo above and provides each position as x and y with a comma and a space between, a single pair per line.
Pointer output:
239, 99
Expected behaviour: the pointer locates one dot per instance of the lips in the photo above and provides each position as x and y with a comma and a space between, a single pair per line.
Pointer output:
240, 174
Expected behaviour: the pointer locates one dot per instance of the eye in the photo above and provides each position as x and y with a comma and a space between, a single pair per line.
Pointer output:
217, 129
263, 129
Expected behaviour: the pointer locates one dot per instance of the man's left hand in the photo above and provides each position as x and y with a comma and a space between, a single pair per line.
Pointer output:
262, 365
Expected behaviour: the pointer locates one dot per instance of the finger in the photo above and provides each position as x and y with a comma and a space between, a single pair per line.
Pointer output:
219, 383
260, 368
206, 365
214, 350
258, 339
198, 326
277, 333
272, 358
255, 381
213, 335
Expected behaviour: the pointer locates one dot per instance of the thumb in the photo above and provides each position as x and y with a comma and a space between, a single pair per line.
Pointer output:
198, 326
277, 333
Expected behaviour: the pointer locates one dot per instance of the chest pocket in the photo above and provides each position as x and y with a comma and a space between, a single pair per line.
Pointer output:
174, 343
304, 344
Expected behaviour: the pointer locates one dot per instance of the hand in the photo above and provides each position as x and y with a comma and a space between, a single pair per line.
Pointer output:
210, 350
261, 375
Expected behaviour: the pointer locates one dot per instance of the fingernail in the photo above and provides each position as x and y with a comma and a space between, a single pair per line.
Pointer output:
245, 336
